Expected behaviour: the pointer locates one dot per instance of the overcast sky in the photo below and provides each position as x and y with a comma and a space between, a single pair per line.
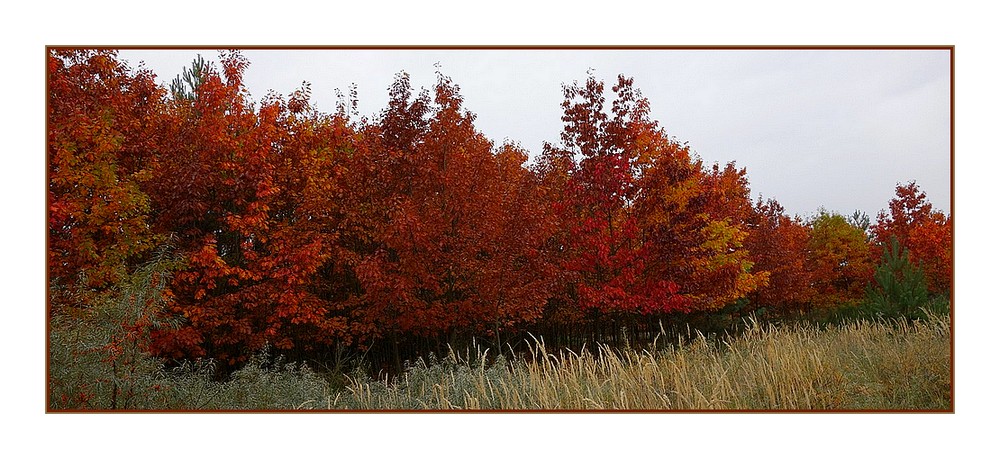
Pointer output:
830, 128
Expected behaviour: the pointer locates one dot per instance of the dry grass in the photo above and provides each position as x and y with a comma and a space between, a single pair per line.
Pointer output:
860, 366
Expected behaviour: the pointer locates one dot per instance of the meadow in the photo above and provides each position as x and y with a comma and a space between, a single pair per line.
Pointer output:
857, 365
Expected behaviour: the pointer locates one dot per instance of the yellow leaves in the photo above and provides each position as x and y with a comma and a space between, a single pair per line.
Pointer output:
721, 237
839, 258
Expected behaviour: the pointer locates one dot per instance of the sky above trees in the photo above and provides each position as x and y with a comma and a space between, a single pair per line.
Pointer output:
831, 128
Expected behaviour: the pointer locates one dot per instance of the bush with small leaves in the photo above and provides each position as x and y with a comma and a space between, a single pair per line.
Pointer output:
98, 353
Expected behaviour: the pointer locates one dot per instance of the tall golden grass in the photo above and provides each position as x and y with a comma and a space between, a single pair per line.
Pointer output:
887, 365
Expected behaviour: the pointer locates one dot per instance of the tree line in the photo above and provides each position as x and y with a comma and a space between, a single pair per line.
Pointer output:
306, 230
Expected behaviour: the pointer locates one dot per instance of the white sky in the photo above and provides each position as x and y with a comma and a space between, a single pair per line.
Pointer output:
831, 128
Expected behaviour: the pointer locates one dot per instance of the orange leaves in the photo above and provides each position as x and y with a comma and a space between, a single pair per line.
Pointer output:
249, 202
926, 233
459, 227
778, 246
96, 151
931, 245
839, 258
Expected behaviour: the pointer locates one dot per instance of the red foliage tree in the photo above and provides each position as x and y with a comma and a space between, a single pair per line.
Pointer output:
515, 275
250, 195
694, 220
456, 249
925, 232
778, 245
100, 121
604, 253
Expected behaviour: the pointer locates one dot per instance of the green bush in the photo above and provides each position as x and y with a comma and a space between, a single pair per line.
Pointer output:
98, 352
99, 360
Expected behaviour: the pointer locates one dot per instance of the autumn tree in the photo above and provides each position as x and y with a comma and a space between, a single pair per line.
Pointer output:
649, 228
458, 249
515, 273
552, 170
604, 254
251, 194
695, 219
838, 258
320, 165
925, 233
778, 245
723, 266
101, 116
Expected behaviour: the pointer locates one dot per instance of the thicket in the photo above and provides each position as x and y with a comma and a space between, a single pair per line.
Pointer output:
192, 224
